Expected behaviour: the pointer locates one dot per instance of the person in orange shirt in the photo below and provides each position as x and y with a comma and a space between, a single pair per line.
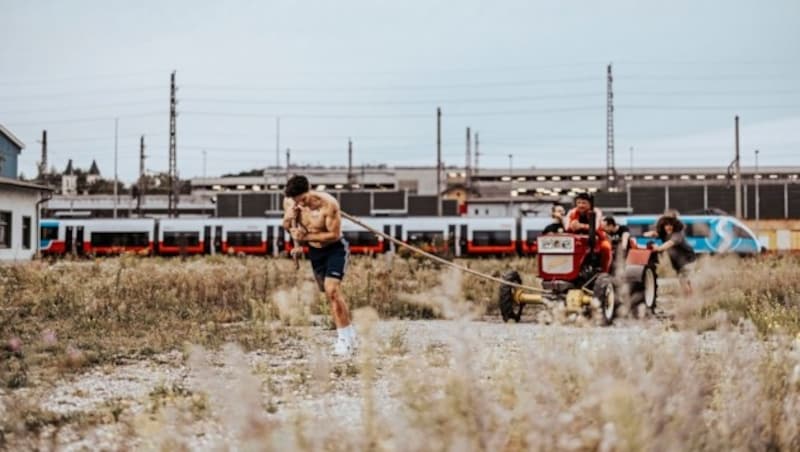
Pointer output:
577, 222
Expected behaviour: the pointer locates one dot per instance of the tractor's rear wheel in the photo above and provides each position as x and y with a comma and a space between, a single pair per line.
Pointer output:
506, 298
605, 294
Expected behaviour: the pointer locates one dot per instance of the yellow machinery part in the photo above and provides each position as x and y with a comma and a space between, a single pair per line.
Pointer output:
520, 297
576, 299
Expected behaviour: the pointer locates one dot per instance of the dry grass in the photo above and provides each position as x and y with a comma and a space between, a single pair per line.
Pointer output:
565, 388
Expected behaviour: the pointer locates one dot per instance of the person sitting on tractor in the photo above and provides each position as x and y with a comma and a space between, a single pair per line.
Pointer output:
557, 226
577, 222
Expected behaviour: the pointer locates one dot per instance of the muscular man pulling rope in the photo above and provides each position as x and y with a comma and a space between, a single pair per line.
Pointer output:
314, 217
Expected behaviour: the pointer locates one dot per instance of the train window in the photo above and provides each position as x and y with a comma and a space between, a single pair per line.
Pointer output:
181, 238
740, 232
236, 238
491, 238
425, 236
361, 238
120, 239
700, 229
48, 233
531, 236
638, 230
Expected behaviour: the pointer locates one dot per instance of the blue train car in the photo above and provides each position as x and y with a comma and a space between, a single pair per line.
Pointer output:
710, 234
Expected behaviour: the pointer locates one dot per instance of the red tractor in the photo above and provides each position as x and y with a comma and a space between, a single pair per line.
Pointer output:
570, 273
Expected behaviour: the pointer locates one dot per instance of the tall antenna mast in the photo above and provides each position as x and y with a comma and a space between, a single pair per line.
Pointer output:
173, 163
611, 172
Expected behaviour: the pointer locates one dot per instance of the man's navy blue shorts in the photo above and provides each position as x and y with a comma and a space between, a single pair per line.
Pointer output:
329, 261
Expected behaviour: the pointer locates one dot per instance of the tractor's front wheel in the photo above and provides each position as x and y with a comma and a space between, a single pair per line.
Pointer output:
506, 298
605, 294
650, 288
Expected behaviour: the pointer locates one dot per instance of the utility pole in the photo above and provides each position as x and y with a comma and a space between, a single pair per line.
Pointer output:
468, 164
204, 163
738, 174
611, 172
277, 142
142, 181
631, 170
116, 178
758, 203
350, 176
477, 153
475, 168
510, 183
288, 162
43, 163
173, 163
438, 161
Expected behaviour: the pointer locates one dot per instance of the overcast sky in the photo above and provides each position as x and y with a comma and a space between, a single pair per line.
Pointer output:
529, 76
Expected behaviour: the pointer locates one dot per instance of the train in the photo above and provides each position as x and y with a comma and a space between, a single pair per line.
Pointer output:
455, 236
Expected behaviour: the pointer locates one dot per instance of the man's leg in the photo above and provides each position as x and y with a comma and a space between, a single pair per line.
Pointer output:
339, 310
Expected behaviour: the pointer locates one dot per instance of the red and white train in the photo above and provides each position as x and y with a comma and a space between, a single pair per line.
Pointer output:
460, 236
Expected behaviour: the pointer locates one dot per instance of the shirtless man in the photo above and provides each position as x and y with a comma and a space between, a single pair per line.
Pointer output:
320, 226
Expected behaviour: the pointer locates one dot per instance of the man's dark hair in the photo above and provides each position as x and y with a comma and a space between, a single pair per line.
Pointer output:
586, 197
677, 226
610, 221
296, 185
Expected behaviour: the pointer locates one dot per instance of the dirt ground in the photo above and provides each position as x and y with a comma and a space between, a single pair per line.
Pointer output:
198, 399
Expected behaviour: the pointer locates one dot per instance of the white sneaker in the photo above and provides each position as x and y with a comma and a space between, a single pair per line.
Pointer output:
342, 347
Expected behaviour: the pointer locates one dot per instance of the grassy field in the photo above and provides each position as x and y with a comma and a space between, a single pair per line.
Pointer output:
233, 352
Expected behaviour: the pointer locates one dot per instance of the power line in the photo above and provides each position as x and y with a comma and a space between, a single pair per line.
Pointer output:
40, 95
565, 80
396, 102
76, 108
86, 119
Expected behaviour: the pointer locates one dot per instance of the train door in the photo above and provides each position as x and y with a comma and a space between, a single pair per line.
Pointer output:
280, 241
217, 239
462, 240
69, 242
206, 239
398, 233
452, 244
270, 241
157, 238
387, 244
79, 239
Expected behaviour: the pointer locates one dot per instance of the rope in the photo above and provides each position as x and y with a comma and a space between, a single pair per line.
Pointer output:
442, 260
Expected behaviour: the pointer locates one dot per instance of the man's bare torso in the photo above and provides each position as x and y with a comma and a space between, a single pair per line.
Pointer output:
313, 217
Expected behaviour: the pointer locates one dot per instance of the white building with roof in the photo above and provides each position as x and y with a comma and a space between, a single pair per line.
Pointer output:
19, 204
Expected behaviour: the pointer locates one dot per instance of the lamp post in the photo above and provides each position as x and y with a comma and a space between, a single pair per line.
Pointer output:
510, 183
758, 206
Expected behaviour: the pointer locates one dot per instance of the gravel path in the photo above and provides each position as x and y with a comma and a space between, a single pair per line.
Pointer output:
296, 378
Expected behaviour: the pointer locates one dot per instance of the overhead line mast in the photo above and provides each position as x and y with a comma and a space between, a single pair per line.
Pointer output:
173, 163
611, 172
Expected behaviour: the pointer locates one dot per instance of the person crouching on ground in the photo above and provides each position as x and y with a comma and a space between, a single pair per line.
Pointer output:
681, 254
314, 218
577, 222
